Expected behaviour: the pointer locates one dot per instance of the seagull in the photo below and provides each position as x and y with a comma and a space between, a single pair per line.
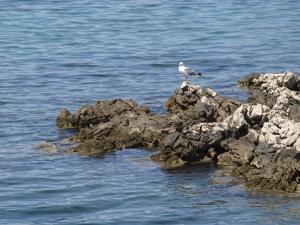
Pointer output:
186, 71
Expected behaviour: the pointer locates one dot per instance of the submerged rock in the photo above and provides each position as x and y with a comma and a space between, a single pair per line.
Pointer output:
47, 147
261, 139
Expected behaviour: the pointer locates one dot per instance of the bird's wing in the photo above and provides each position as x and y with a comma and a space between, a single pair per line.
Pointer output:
189, 71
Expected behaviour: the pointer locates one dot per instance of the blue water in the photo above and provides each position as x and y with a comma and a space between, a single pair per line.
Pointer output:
56, 54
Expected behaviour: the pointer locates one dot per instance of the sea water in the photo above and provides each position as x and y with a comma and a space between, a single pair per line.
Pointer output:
56, 54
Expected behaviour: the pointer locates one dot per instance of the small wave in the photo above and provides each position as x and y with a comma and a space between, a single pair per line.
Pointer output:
79, 65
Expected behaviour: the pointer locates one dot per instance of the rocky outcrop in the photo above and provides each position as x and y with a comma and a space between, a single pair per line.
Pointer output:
113, 124
261, 139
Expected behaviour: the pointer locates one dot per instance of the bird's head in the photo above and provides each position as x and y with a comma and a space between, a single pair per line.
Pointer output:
181, 64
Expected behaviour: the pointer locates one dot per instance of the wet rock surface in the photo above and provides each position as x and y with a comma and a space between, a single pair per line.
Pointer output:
261, 138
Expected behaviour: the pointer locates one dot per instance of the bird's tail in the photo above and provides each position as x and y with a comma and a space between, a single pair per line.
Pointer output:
197, 73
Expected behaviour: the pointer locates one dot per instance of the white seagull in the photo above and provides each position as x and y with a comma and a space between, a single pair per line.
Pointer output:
186, 71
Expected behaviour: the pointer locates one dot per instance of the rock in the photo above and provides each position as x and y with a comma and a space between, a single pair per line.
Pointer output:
278, 91
257, 111
193, 143
248, 81
117, 124
290, 81
100, 112
278, 171
297, 145
261, 139
173, 162
209, 104
226, 159
210, 155
65, 119
48, 147
239, 151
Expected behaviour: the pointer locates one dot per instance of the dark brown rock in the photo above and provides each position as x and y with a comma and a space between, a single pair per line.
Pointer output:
279, 172
100, 112
239, 151
203, 105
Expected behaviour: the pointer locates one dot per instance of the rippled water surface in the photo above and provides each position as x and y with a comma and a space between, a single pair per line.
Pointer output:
58, 54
